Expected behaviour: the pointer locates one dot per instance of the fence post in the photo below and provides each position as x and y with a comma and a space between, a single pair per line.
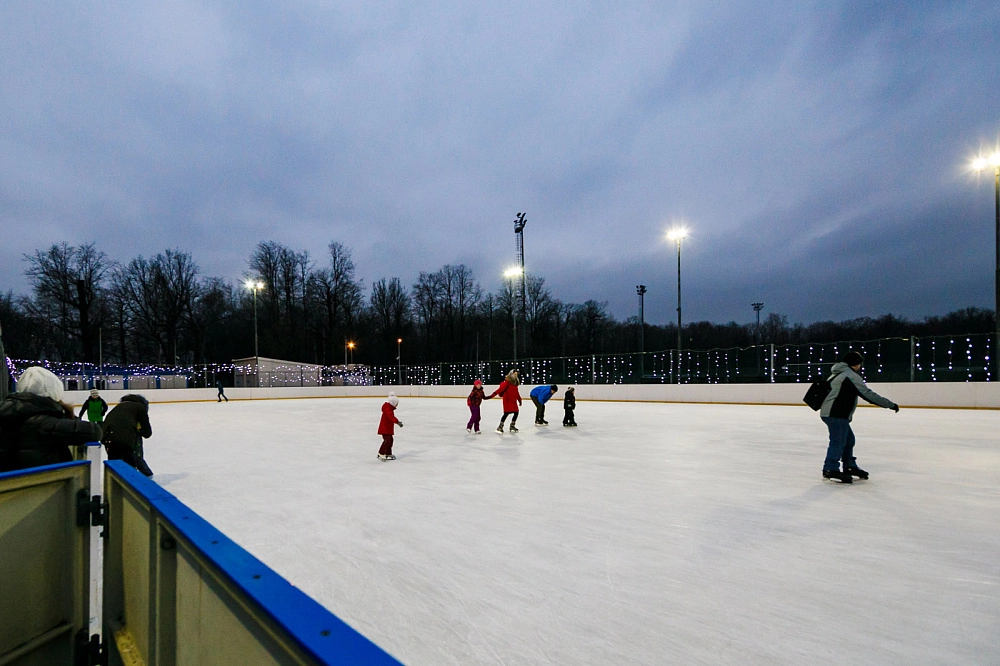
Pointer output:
913, 359
772, 362
593, 369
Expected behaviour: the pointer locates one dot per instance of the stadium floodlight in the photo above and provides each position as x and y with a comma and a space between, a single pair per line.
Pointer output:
677, 234
255, 286
511, 273
982, 163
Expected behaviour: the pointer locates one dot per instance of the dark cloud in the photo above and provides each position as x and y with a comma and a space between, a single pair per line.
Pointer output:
815, 150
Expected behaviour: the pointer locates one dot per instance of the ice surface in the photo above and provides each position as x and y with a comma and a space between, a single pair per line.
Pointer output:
651, 534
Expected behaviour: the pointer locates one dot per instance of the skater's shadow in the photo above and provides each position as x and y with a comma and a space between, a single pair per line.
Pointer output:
167, 479
409, 454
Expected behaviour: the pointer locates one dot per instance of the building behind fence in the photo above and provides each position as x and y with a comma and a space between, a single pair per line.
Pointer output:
965, 358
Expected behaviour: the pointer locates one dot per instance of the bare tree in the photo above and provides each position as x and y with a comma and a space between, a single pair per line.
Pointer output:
68, 284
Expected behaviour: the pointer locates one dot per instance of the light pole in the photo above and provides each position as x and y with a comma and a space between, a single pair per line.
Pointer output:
511, 274
399, 360
677, 235
981, 164
255, 285
641, 290
757, 307
350, 345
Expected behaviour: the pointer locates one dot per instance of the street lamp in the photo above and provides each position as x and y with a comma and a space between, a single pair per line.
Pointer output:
399, 360
641, 290
254, 286
350, 345
981, 164
677, 235
511, 274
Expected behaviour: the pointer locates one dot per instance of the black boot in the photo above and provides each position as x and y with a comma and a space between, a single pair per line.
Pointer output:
856, 471
843, 477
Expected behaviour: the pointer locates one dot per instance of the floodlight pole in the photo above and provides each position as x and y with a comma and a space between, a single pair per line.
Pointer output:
996, 284
680, 342
757, 307
640, 289
519, 224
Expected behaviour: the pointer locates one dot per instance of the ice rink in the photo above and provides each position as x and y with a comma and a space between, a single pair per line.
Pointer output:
651, 534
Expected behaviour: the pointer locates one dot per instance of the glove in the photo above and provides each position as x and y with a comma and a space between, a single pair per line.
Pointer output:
399, 423
895, 408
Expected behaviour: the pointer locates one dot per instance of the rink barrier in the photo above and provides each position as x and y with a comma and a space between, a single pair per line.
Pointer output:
45, 552
963, 395
178, 591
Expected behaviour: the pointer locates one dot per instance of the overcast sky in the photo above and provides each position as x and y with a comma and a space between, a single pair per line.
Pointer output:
817, 151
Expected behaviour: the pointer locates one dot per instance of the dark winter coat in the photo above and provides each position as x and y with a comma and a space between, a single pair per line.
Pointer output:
35, 430
389, 420
845, 387
511, 396
476, 397
127, 424
99, 406
569, 400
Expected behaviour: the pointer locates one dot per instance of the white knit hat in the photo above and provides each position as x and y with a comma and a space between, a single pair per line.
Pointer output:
393, 400
42, 382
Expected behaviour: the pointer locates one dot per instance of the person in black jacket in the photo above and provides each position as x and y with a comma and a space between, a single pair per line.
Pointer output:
569, 405
36, 427
125, 428
837, 410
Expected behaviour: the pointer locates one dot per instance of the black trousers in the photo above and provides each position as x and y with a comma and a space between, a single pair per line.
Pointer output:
539, 410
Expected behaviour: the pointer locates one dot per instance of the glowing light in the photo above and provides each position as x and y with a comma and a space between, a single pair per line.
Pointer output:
981, 162
678, 234
254, 285
512, 272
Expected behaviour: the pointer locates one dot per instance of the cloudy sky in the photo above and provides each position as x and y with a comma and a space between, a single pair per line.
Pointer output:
818, 151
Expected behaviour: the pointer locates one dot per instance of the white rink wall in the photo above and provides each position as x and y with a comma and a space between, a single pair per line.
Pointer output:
969, 395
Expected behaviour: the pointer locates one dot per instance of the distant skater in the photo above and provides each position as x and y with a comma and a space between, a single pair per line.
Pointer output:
539, 396
838, 409
511, 399
386, 426
94, 407
569, 406
222, 392
474, 401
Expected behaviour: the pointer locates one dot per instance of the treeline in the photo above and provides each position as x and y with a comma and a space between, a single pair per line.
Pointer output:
85, 306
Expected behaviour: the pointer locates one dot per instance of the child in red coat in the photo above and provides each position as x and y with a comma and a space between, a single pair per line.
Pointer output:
511, 399
385, 427
474, 401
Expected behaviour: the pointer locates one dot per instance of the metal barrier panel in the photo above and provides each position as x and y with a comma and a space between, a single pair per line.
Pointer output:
178, 591
44, 564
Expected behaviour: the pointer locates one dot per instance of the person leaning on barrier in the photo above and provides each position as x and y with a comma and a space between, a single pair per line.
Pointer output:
36, 427
125, 428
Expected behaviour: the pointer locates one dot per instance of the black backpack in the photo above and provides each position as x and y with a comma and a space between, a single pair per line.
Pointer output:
817, 393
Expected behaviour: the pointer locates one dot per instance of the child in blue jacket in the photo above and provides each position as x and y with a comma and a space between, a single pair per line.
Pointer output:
540, 395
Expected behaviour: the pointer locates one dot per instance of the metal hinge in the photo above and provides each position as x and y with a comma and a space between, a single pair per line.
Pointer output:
91, 510
90, 651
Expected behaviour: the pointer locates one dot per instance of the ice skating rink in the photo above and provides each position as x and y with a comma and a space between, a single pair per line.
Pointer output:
651, 534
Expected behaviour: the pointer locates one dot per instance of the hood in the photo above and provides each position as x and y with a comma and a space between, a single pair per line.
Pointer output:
25, 405
839, 367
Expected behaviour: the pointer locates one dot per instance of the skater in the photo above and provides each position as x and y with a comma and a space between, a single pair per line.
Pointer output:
222, 392
36, 427
94, 407
540, 395
474, 400
125, 428
385, 426
569, 405
838, 408
511, 399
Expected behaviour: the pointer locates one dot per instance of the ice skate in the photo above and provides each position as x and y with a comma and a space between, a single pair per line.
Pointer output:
382, 456
479, 432
513, 428
843, 477
856, 471
468, 430
500, 428
390, 457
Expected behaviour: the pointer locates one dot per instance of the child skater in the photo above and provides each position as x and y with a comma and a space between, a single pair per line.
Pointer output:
511, 399
385, 426
569, 404
474, 401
